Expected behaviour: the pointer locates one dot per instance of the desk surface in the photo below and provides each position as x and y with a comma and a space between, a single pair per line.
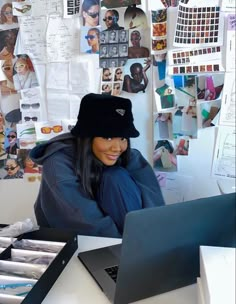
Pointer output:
76, 286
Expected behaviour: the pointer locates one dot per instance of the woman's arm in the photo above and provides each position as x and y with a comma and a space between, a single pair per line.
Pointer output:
63, 203
145, 178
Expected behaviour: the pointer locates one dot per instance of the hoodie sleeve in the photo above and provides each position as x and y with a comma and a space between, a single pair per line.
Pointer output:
61, 203
145, 178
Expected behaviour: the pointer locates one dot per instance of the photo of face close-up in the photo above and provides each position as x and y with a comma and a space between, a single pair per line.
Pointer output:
90, 13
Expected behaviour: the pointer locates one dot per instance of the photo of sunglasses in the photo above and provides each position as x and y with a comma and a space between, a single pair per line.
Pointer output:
20, 66
32, 105
6, 68
8, 13
48, 130
11, 136
107, 18
93, 15
91, 37
34, 118
10, 168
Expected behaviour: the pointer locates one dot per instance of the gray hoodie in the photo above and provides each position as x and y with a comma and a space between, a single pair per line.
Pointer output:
62, 203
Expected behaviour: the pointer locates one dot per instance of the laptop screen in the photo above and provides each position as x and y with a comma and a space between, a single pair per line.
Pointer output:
160, 247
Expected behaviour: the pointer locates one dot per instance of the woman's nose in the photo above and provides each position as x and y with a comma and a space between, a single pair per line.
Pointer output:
116, 145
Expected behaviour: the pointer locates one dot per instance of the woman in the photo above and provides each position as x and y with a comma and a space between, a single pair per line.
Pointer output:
12, 140
118, 75
90, 13
93, 41
91, 178
106, 74
138, 80
2, 123
25, 76
7, 86
116, 89
7, 44
106, 89
111, 19
7, 20
13, 169
3, 153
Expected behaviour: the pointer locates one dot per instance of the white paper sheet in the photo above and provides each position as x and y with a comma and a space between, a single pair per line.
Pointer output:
61, 39
31, 38
224, 157
228, 116
58, 76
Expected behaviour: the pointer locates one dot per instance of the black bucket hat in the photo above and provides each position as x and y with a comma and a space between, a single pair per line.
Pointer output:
105, 116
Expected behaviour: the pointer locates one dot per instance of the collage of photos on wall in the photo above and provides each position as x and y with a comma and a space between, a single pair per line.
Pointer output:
190, 80
17, 78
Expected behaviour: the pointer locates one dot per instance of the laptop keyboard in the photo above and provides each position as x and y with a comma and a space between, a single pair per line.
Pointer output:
112, 272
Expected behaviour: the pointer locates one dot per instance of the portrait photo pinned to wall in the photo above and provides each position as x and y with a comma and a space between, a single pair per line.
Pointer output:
11, 168
11, 142
7, 43
24, 76
90, 11
8, 20
136, 75
6, 83
28, 165
138, 44
106, 88
89, 40
112, 19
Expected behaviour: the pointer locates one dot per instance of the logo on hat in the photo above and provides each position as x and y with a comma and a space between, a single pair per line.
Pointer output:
120, 111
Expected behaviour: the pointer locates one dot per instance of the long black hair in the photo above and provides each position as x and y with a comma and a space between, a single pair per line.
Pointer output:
89, 169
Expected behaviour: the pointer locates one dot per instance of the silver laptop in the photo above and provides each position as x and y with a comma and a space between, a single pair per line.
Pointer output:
160, 248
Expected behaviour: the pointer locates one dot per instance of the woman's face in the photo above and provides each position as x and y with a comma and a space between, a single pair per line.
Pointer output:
106, 75
116, 89
118, 74
11, 167
109, 19
7, 68
137, 74
91, 17
8, 14
2, 140
108, 150
21, 67
29, 163
92, 38
11, 137
1, 120
135, 40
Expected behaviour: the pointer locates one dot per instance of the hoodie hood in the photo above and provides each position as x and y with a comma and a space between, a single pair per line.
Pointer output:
61, 142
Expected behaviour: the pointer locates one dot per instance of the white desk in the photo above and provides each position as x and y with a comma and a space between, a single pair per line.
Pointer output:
76, 286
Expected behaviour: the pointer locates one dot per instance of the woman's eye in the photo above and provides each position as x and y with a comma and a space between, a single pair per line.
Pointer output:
123, 139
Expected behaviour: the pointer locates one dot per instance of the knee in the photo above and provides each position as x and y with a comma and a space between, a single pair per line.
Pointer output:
115, 174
